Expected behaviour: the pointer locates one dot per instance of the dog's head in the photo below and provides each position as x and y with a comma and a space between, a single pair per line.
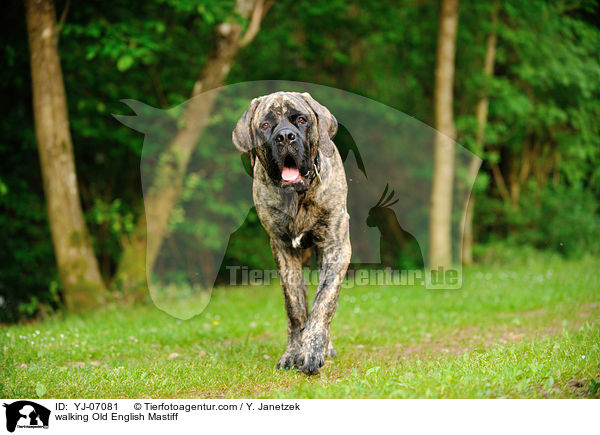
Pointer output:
285, 130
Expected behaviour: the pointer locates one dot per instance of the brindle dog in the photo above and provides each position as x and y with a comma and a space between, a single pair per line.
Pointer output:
300, 195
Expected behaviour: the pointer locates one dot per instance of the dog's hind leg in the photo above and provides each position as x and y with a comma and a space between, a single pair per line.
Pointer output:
331, 353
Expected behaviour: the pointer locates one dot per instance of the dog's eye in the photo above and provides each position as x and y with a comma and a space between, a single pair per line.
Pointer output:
301, 120
264, 126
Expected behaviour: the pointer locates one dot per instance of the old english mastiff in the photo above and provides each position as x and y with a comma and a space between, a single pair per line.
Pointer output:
300, 194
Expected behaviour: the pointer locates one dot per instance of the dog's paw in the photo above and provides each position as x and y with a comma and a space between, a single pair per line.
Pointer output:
310, 360
286, 361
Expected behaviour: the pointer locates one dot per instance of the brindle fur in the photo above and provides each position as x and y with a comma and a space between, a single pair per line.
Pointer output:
310, 215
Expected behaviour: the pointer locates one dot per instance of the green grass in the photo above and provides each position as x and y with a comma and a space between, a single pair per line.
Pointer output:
521, 327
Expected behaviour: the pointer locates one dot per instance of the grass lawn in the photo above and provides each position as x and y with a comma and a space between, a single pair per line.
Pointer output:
526, 327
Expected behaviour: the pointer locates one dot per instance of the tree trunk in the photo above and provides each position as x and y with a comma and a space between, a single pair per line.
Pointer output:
468, 237
499, 180
80, 279
138, 255
482, 115
440, 245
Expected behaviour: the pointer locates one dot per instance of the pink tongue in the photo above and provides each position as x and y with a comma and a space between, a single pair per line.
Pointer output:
290, 174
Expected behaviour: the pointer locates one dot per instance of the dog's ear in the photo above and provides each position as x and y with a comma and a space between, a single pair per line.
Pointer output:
327, 125
242, 135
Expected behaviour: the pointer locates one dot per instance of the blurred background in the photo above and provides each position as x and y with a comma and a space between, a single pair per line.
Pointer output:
517, 83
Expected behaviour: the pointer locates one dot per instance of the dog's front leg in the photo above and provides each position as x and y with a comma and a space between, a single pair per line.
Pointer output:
289, 266
315, 335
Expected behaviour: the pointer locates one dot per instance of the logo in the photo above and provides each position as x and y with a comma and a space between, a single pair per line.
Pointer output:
26, 414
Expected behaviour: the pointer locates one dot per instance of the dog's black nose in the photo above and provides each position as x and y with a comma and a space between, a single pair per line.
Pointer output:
285, 135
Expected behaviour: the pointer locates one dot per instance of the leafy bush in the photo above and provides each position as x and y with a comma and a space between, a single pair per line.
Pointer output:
557, 217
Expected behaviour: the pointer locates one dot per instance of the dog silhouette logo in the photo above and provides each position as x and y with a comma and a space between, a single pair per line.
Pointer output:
26, 414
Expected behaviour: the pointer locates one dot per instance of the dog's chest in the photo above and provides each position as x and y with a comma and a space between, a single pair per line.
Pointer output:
303, 224
298, 222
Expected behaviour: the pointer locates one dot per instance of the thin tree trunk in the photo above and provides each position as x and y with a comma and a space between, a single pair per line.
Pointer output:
513, 183
499, 180
482, 116
440, 245
80, 279
139, 253
467, 226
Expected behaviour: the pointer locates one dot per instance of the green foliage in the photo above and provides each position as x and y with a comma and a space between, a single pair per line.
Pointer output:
248, 247
542, 130
559, 218
26, 256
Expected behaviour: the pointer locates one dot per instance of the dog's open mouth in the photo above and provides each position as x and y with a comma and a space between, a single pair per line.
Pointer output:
290, 172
